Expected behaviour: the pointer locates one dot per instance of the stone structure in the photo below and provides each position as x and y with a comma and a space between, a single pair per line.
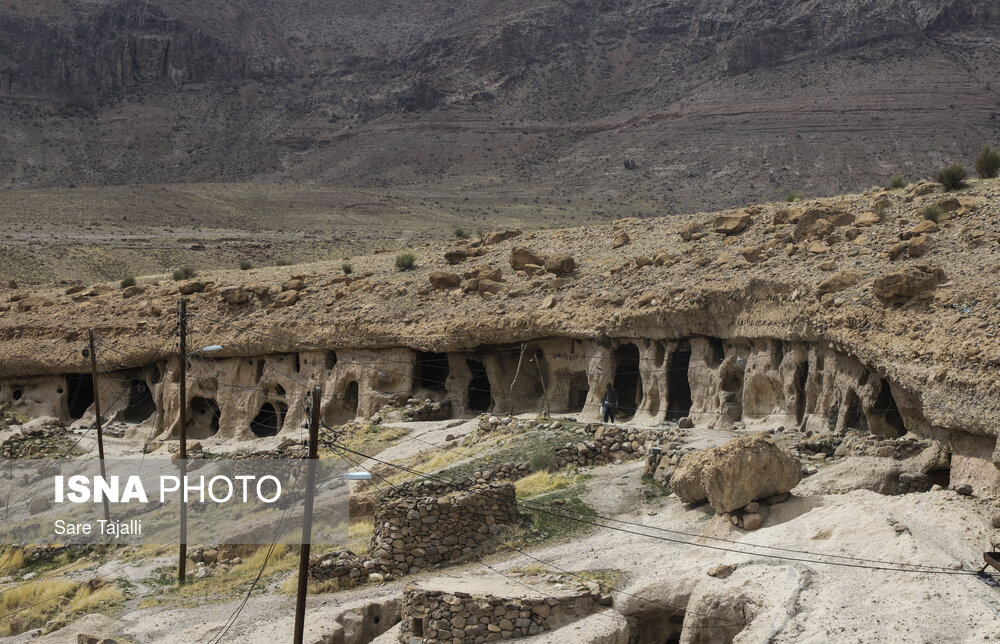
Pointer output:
611, 443
414, 531
434, 615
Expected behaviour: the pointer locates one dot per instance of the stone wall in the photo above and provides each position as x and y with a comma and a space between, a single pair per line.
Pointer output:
438, 616
414, 532
611, 443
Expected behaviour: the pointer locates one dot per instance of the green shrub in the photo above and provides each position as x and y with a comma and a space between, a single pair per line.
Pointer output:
794, 195
988, 162
932, 213
952, 177
896, 182
542, 459
347, 268
283, 262
128, 281
245, 264
461, 234
405, 262
880, 212
184, 273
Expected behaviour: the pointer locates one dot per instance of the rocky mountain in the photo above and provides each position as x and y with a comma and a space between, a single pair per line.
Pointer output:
710, 103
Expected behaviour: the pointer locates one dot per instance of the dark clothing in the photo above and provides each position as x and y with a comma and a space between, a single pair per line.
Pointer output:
610, 405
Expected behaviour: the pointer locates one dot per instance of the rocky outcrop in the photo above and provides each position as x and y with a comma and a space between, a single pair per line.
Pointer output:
737, 473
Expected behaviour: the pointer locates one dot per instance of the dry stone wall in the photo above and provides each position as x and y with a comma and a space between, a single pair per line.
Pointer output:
438, 616
612, 443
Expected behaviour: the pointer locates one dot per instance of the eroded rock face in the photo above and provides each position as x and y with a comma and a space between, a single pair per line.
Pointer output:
733, 475
908, 282
521, 257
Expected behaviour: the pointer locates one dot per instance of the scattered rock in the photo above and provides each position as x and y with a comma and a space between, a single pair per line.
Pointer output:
496, 237
560, 264
908, 282
440, 279
731, 224
234, 295
286, 298
521, 257
621, 240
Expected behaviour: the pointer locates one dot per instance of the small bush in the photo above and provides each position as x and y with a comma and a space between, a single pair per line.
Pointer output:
128, 281
184, 273
405, 262
461, 234
952, 177
792, 196
988, 162
881, 212
543, 459
896, 182
283, 262
245, 264
932, 213
347, 268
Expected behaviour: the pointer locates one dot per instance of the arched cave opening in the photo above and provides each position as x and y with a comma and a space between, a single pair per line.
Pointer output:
203, 420
79, 394
267, 422
140, 405
431, 370
579, 389
331, 360
716, 353
887, 412
480, 394
853, 418
678, 385
628, 379
662, 628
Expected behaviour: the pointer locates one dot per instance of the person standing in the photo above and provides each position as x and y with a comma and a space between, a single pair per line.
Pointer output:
610, 404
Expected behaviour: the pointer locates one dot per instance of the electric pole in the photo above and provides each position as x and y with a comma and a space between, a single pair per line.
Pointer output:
182, 560
97, 410
307, 513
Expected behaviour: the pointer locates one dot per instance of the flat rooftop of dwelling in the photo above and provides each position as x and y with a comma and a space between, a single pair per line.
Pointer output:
482, 583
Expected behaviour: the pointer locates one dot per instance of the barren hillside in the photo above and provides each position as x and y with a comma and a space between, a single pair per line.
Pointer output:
716, 104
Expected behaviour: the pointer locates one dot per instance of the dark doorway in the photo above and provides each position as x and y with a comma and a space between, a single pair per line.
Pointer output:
579, 389
628, 380
432, 370
331, 360
886, 409
204, 418
678, 386
801, 378
480, 394
351, 399
267, 422
80, 394
853, 418
140, 404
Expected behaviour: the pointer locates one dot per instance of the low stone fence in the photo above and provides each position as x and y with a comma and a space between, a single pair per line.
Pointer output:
437, 616
612, 443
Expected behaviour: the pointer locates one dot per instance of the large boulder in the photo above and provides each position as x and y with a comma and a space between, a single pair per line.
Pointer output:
441, 279
495, 237
731, 224
560, 264
521, 257
733, 475
907, 282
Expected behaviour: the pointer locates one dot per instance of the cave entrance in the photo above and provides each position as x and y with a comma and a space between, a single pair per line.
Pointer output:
351, 397
79, 394
579, 389
480, 394
628, 380
853, 418
431, 370
140, 405
886, 410
662, 628
204, 418
267, 422
801, 378
678, 384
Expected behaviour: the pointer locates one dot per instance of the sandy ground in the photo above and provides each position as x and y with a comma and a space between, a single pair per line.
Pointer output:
786, 596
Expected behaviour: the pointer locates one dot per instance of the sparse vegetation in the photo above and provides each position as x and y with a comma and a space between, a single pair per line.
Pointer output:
184, 273
283, 262
880, 211
952, 177
245, 264
405, 262
793, 196
461, 234
896, 182
347, 268
543, 483
932, 213
988, 162
127, 281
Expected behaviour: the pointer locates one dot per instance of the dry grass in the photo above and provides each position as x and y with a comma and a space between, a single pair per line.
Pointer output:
89, 600
544, 482
12, 560
32, 605
372, 439
430, 461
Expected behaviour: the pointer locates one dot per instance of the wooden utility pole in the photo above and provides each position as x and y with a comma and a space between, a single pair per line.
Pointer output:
182, 560
307, 515
517, 372
97, 410
545, 393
